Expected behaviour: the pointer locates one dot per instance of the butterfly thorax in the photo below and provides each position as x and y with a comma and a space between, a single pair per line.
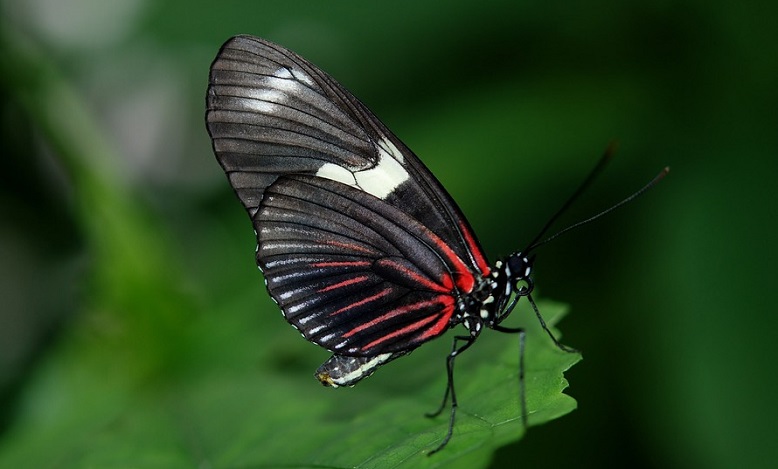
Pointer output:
490, 302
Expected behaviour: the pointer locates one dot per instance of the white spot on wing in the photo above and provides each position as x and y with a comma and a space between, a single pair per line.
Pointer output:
282, 80
275, 91
337, 173
288, 294
380, 180
259, 105
384, 177
362, 371
283, 72
303, 77
292, 310
327, 337
387, 146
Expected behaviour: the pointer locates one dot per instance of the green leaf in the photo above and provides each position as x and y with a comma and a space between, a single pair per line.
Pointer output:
285, 421
228, 410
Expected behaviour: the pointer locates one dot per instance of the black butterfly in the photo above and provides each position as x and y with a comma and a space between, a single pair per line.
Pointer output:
364, 251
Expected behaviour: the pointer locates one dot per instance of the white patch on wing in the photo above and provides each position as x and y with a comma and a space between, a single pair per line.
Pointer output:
290, 293
280, 278
282, 80
361, 371
326, 337
365, 369
292, 310
303, 77
283, 72
384, 177
281, 262
380, 180
388, 147
337, 173
275, 90
260, 105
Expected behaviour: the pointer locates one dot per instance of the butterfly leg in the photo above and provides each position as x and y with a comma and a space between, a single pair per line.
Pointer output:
522, 387
455, 351
559, 345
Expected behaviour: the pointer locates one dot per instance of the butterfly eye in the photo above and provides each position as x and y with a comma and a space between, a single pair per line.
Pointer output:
523, 287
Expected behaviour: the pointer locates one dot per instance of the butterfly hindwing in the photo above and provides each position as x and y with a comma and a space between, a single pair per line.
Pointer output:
353, 273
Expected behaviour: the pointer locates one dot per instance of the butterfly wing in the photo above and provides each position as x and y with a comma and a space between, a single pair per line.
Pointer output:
353, 273
272, 113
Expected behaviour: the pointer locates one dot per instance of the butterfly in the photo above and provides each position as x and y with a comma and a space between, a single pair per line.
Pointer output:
361, 247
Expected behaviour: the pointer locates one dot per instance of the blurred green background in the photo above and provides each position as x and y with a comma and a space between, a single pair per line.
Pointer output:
110, 190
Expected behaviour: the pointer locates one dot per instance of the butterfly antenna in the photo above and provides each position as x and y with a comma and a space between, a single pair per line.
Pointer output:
628, 199
604, 160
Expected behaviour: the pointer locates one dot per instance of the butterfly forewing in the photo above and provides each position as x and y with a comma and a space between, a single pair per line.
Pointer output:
271, 113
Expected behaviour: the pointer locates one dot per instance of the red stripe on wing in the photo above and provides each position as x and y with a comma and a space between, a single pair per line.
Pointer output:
342, 264
441, 322
405, 309
464, 277
475, 249
345, 283
349, 246
446, 284
363, 301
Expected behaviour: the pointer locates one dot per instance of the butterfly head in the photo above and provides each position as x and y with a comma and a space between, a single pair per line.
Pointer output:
512, 279
518, 271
